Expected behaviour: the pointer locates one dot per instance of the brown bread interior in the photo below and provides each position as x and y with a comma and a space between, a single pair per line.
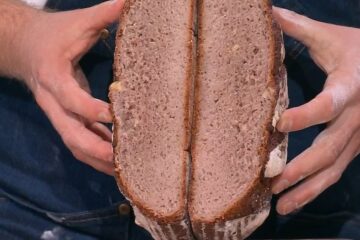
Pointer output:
234, 105
150, 105
233, 66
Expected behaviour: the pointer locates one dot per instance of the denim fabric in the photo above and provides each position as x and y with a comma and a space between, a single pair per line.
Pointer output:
46, 193
336, 212
39, 175
18, 221
306, 81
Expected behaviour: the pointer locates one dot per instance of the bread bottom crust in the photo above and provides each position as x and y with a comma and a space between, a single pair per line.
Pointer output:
175, 231
236, 229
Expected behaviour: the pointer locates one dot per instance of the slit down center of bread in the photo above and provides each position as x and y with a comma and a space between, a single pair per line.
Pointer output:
196, 87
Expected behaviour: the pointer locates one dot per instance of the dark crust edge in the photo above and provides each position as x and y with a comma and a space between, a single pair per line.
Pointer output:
258, 195
181, 213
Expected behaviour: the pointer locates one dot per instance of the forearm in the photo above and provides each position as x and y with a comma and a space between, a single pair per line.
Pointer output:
15, 19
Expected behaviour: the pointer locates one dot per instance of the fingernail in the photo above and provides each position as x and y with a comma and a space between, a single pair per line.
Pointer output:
281, 186
287, 208
285, 13
105, 116
284, 125
113, 1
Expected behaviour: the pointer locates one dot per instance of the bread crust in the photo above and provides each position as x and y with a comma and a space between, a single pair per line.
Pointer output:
236, 229
256, 201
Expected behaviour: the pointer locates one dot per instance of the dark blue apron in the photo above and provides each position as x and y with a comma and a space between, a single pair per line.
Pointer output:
45, 192
335, 213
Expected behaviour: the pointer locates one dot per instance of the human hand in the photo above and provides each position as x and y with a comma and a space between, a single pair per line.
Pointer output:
51, 48
336, 50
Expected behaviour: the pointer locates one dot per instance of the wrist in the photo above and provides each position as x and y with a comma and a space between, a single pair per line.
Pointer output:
28, 40
17, 20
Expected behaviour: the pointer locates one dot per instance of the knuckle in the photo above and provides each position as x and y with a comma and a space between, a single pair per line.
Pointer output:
78, 155
39, 98
57, 88
42, 100
335, 176
78, 104
69, 141
291, 174
333, 106
320, 138
337, 98
103, 152
327, 101
332, 149
42, 77
33, 84
42, 71
326, 153
99, 153
61, 87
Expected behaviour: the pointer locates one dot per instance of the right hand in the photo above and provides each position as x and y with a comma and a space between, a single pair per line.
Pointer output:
51, 47
335, 49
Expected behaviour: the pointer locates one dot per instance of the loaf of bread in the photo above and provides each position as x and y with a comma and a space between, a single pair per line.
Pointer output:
199, 86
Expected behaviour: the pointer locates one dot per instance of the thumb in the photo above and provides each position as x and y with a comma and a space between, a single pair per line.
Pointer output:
104, 14
302, 28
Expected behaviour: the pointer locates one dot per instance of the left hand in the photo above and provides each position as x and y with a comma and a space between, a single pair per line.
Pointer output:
47, 60
336, 50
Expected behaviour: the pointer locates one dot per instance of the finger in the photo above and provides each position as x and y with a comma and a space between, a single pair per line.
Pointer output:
72, 130
102, 131
323, 108
315, 185
81, 79
101, 166
299, 27
104, 14
74, 99
325, 150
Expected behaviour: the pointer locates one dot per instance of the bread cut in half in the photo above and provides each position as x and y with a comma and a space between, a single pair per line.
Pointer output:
199, 86
150, 103
237, 90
